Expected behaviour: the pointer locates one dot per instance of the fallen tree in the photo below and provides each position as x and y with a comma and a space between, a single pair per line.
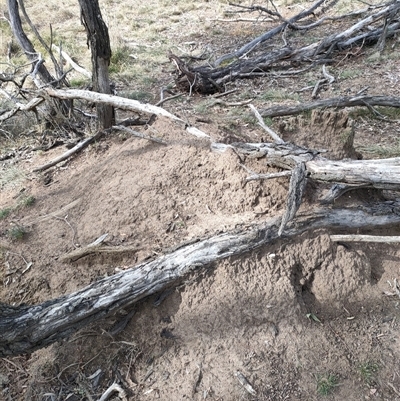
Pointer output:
241, 65
27, 328
336, 102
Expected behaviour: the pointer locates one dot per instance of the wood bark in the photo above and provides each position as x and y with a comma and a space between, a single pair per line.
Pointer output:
99, 41
336, 102
120, 103
380, 173
206, 79
26, 328
24, 42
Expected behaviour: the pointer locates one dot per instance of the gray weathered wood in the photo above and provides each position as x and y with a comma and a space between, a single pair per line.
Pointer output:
99, 41
336, 102
26, 328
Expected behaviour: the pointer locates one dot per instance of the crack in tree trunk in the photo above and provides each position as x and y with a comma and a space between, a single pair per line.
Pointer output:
99, 42
27, 328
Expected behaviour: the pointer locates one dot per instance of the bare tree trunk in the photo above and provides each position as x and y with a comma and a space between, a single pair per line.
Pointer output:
99, 41
24, 42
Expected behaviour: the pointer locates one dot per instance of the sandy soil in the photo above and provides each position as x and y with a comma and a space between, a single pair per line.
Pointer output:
290, 317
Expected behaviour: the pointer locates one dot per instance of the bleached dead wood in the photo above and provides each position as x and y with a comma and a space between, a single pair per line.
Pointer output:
365, 238
120, 103
71, 62
30, 106
206, 79
382, 175
26, 328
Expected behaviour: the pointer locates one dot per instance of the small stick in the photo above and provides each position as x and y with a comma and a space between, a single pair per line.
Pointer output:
162, 101
71, 62
365, 238
256, 176
277, 139
225, 93
113, 388
245, 383
330, 78
69, 153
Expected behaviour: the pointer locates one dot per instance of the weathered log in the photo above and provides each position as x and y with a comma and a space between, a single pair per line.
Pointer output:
380, 174
27, 328
120, 103
248, 47
336, 102
206, 79
77, 148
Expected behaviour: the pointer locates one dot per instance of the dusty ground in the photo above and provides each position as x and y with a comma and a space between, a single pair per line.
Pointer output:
247, 314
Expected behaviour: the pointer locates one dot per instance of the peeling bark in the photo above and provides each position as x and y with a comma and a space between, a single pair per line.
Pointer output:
99, 41
27, 328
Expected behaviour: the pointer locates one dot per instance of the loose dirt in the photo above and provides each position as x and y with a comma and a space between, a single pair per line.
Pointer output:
296, 318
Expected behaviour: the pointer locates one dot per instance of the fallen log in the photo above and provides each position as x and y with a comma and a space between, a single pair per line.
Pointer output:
120, 103
27, 328
205, 79
336, 102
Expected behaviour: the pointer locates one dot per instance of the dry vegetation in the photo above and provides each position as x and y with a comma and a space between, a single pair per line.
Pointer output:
302, 318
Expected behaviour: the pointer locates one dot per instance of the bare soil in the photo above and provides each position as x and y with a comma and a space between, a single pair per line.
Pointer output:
289, 317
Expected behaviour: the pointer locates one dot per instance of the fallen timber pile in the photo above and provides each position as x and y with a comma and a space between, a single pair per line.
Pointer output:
374, 27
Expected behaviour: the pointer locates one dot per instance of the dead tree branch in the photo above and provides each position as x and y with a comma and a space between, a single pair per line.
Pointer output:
336, 102
248, 47
206, 79
120, 103
81, 145
27, 328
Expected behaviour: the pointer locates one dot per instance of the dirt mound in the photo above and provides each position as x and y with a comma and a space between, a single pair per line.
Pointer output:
289, 317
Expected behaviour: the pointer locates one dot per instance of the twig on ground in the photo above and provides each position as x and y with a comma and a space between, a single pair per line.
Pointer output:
277, 139
225, 93
69, 153
365, 238
245, 383
162, 101
69, 225
256, 176
90, 249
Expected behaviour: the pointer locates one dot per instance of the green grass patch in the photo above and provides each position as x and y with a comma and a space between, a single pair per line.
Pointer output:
141, 96
349, 74
120, 59
27, 200
5, 212
382, 151
326, 384
17, 233
367, 371
11, 176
